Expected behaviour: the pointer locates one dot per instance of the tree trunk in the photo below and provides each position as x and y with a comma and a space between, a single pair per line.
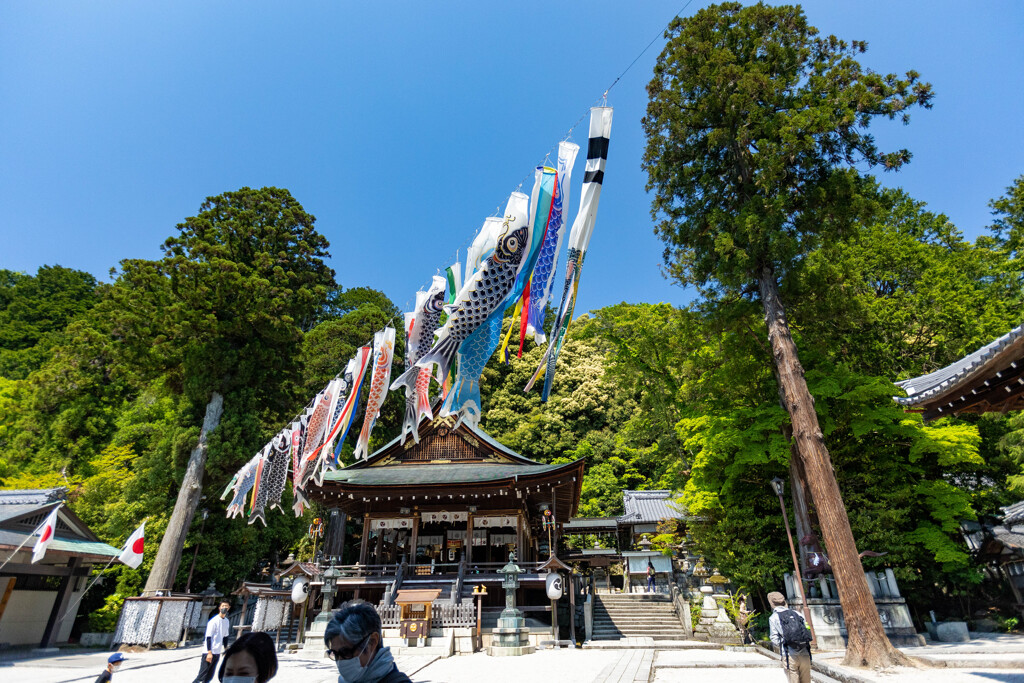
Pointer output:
868, 645
801, 515
168, 556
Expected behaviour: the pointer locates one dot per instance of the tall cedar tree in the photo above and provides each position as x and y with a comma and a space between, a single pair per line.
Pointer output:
754, 126
225, 306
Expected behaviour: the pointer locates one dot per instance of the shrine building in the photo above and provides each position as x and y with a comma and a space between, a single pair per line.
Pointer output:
444, 512
989, 380
39, 601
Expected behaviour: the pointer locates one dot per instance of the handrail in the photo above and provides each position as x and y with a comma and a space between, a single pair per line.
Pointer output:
456, 596
397, 583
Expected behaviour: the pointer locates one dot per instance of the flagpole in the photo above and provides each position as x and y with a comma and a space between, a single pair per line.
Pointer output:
71, 609
27, 538
74, 605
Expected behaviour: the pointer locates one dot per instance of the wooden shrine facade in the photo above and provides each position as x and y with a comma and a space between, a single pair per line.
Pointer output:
455, 502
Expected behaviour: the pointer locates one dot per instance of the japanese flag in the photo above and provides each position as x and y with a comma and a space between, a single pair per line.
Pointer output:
133, 547
46, 533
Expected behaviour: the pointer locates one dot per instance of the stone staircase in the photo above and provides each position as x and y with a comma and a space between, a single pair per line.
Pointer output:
635, 615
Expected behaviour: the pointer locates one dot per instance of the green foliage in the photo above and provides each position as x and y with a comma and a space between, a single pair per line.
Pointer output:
905, 295
695, 607
752, 124
1008, 226
33, 312
104, 619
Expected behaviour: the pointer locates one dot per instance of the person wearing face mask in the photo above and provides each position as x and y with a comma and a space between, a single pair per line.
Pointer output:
250, 659
113, 664
355, 643
217, 631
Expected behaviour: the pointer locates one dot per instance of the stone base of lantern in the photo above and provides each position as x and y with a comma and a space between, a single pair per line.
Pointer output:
314, 638
510, 638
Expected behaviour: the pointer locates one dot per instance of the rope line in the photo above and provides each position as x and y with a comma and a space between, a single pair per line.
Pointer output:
602, 98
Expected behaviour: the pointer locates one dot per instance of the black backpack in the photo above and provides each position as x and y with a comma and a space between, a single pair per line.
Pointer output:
795, 633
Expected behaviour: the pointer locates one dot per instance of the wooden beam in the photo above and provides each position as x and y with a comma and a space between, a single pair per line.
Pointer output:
60, 604
13, 569
995, 394
365, 540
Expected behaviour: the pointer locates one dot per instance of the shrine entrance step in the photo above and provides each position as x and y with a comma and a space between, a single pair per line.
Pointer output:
649, 615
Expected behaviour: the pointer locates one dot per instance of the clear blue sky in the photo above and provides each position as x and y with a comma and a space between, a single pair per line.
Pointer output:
401, 125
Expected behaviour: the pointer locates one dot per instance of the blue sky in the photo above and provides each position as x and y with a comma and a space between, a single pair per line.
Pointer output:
402, 125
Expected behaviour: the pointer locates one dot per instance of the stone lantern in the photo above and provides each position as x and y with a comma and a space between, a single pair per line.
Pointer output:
510, 636
210, 598
330, 587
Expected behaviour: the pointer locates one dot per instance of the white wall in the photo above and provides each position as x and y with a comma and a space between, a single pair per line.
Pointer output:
24, 620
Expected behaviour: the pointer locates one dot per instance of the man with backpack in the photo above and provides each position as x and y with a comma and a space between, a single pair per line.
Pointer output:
789, 632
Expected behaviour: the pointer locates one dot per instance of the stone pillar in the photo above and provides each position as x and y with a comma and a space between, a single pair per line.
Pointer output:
890, 579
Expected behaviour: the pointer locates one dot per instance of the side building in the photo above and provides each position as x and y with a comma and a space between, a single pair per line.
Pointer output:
39, 602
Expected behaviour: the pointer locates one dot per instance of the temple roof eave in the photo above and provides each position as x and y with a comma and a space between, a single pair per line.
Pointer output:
939, 391
447, 474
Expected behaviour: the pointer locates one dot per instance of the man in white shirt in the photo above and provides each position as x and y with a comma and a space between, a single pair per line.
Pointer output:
796, 651
217, 631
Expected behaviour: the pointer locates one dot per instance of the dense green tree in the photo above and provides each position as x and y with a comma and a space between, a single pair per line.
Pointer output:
1008, 223
351, 319
754, 125
904, 295
34, 309
222, 311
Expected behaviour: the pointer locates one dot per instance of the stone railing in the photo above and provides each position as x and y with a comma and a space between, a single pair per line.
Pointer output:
681, 606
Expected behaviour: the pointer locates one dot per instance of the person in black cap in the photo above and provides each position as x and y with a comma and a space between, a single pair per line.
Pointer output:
113, 664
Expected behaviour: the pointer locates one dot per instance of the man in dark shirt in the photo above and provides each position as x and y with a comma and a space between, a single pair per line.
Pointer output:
113, 664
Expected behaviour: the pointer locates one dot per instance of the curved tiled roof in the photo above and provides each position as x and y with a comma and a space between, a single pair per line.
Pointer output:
649, 506
926, 387
414, 475
33, 496
1014, 514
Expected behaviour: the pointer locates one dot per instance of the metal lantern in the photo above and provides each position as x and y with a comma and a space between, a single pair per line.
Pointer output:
779, 484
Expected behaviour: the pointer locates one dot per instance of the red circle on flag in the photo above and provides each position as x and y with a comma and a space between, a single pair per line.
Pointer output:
139, 545
47, 532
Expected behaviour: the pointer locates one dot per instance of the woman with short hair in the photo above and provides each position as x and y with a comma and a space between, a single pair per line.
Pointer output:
250, 659
356, 644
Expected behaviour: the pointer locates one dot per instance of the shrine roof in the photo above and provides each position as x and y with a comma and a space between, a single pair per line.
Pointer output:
33, 497
450, 473
649, 506
1013, 514
577, 524
988, 379
1012, 539
23, 511
73, 546
446, 453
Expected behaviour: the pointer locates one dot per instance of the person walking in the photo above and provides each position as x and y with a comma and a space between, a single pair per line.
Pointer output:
217, 631
355, 642
113, 664
650, 577
790, 633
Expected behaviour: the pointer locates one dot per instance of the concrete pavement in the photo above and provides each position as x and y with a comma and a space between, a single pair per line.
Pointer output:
993, 658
